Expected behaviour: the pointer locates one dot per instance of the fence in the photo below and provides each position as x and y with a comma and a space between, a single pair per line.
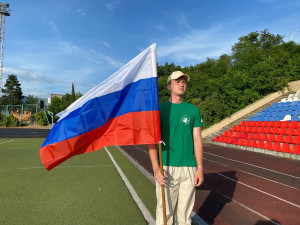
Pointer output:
24, 113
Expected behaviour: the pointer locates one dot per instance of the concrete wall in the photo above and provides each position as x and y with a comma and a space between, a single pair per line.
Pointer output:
293, 86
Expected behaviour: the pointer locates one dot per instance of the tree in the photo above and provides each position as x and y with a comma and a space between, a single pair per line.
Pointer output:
73, 96
32, 100
12, 92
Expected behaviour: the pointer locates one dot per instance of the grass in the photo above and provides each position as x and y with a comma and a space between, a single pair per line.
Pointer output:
71, 193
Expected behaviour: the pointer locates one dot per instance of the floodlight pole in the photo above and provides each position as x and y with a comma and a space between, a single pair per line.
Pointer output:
4, 11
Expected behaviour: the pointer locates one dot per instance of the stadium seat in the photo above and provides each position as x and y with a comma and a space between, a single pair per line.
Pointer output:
271, 124
251, 136
282, 130
235, 141
297, 132
265, 124
279, 138
230, 133
249, 129
290, 131
268, 145
243, 123
247, 142
268, 130
258, 123
234, 128
294, 124
253, 144
261, 144
239, 128
278, 124
230, 140
285, 148
264, 137
225, 133
257, 136
271, 137
276, 146
241, 141
275, 130
225, 140
253, 123
248, 123
296, 140
288, 139
254, 129
216, 138
244, 128
221, 138
261, 129
295, 149
285, 124
245, 135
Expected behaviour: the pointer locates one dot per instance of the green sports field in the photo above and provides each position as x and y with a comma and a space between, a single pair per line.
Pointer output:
85, 189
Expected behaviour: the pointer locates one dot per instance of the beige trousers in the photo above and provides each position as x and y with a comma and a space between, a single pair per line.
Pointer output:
180, 196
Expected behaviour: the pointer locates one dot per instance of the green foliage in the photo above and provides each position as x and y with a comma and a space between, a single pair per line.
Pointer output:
9, 121
12, 92
41, 118
32, 100
261, 63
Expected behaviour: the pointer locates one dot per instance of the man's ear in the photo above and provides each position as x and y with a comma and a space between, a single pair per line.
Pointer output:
169, 86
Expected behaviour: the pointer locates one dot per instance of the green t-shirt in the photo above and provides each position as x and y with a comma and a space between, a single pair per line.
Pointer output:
177, 122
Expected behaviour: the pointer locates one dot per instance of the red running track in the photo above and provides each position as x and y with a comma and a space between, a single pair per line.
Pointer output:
241, 187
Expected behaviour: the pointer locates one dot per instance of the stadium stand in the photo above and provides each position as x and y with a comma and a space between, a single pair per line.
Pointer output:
276, 128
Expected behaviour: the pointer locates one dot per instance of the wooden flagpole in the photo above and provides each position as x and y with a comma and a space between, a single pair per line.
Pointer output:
162, 186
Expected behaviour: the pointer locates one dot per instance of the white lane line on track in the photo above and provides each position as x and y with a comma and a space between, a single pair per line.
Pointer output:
6, 142
253, 165
58, 167
133, 193
141, 149
244, 206
298, 206
252, 174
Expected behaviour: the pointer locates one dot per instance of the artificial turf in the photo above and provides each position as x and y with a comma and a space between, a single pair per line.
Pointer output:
85, 189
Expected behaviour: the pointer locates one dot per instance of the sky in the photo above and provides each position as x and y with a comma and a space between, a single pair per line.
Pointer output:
51, 44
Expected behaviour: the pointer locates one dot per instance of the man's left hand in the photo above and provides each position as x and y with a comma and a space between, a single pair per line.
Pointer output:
199, 178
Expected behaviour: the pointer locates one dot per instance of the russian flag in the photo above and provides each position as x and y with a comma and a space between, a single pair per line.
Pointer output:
122, 110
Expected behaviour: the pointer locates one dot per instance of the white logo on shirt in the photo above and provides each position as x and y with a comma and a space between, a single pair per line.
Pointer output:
185, 120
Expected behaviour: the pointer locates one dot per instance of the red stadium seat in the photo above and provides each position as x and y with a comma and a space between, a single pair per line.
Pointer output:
290, 131
261, 144
264, 137
247, 142
241, 141
288, 139
225, 140
282, 130
286, 148
271, 124
279, 138
277, 146
265, 124
255, 129
295, 149
253, 123
251, 136
239, 135
248, 123
239, 128
249, 129
230, 133
278, 123
258, 123
296, 140
230, 140
272, 137
294, 124
243, 123
261, 129
245, 135
244, 128
268, 145
221, 138
216, 138
297, 132
234, 128
225, 133
268, 130
253, 143
235, 141
257, 136
275, 130
285, 124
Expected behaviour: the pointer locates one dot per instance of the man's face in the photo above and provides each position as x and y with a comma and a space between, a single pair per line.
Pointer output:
178, 86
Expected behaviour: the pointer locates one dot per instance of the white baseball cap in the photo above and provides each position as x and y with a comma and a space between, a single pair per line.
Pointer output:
175, 75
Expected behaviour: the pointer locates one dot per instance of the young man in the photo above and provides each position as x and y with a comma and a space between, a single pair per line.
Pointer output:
182, 154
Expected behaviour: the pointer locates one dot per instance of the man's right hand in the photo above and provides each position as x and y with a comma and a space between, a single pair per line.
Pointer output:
159, 178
